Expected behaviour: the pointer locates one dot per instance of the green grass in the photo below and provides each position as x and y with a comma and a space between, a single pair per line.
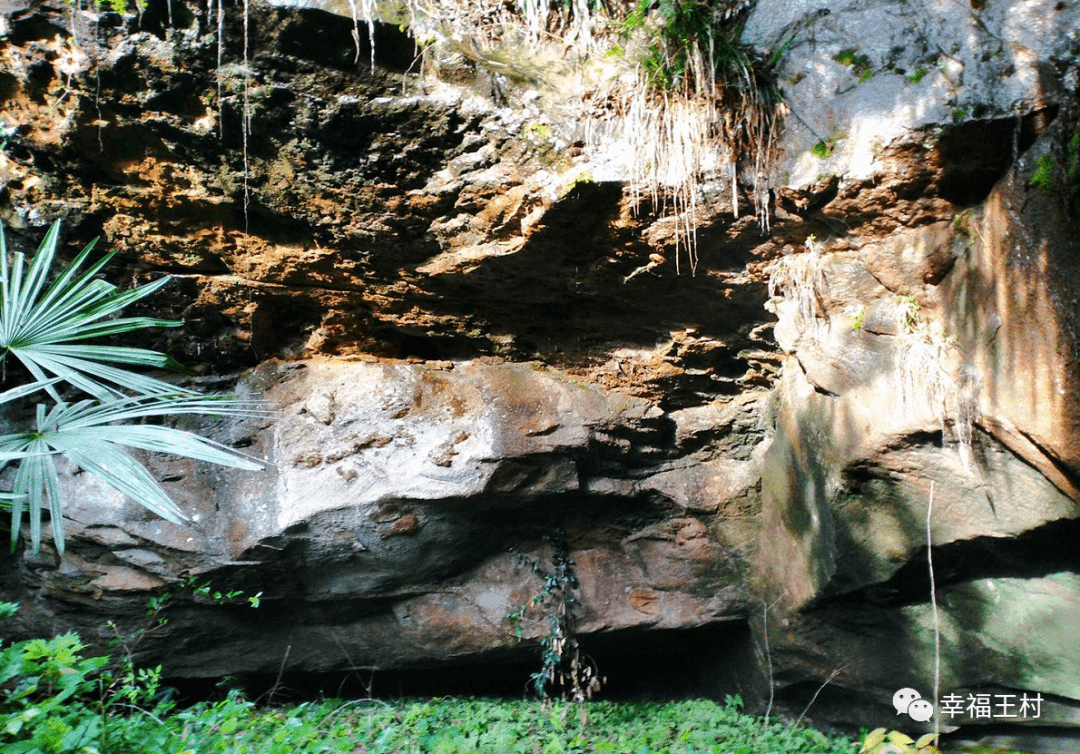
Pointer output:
460, 726
54, 700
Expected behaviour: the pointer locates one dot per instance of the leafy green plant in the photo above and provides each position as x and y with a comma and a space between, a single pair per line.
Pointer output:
116, 6
91, 718
43, 326
859, 320
918, 75
40, 683
204, 589
54, 700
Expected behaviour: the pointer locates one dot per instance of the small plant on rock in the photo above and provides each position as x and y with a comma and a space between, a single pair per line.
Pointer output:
823, 149
859, 320
564, 672
860, 64
1043, 176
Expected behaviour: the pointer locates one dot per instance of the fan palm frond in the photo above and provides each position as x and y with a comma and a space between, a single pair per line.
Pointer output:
42, 325
85, 433
38, 321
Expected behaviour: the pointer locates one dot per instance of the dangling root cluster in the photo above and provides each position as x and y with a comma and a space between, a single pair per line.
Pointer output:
690, 101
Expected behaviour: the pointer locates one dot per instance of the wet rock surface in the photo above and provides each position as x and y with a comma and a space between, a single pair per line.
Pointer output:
475, 350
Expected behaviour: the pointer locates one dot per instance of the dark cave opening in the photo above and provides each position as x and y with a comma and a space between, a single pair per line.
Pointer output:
977, 154
710, 661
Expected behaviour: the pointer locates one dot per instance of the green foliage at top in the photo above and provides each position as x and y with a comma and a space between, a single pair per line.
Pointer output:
44, 326
682, 33
116, 6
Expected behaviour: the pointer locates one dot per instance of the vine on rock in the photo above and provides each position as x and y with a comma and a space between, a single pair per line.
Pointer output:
564, 672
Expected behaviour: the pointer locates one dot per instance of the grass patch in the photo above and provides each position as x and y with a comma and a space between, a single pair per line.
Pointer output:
54, 700
860, 64
462, 726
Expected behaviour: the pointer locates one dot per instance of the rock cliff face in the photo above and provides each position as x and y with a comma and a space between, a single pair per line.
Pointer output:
477, 347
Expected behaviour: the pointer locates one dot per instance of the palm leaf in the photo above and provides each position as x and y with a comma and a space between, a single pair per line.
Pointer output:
149, 437
85, 433
6, 397
55, 359
24, 390
34, 321
37, 326
89, 413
